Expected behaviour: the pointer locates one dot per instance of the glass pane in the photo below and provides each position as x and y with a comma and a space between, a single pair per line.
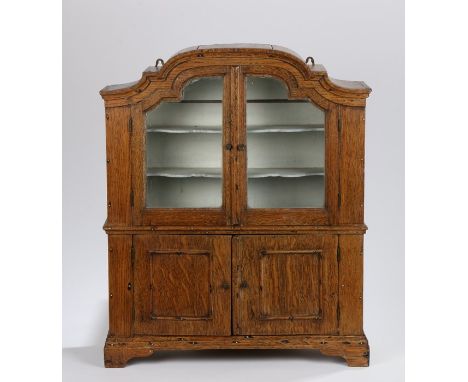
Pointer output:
285, 148
184, 148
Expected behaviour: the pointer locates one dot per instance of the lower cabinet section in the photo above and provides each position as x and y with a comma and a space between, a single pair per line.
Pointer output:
235, 291
280, 284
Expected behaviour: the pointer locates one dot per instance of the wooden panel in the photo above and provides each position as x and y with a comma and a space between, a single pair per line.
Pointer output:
182, 284
138, 162
118, 166
351, 285
352, 165
332, 164
285, 284
290, 284
285, 216
120, 285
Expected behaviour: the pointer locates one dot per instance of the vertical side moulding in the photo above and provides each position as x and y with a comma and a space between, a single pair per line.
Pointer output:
350, 284
120, 252
351, 178
120, 285
118, 138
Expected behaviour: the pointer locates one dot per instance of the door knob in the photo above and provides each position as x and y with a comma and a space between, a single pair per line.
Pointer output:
225, 285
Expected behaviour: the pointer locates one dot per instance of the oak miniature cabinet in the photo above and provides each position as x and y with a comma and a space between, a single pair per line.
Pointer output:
235, 179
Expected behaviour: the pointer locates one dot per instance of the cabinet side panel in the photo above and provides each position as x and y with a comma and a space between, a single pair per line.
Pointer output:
120, 285
351, 284
118, 166
352, 165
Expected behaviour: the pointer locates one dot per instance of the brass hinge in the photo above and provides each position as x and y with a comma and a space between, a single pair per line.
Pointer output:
131, 198
130, 125
338, 253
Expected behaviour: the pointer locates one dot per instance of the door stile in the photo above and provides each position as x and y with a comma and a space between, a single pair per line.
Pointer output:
238, 137
236, 242
227, 152
138, 142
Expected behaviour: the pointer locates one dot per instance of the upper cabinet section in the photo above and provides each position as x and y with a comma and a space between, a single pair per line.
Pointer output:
235, 136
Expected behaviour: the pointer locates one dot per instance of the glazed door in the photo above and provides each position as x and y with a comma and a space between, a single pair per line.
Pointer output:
286, 168
285, 284
182, 285
181, 166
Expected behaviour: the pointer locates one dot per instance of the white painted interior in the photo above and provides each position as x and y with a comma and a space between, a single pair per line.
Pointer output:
280, 192
285, 140
176, 192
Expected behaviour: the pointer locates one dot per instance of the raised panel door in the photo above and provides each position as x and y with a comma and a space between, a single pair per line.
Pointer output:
182, 285
285, 284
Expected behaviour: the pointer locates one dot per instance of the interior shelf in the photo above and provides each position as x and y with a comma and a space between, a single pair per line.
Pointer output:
184, 172
284, 128
207, 172
250, 129
248, 101
284, 172
185, 129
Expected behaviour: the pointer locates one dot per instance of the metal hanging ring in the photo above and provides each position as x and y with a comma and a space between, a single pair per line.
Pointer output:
311, 59
159, 60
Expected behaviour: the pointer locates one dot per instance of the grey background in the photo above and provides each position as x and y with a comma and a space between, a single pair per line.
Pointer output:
106, 42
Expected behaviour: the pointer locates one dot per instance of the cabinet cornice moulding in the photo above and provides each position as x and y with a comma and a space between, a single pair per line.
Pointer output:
280, 61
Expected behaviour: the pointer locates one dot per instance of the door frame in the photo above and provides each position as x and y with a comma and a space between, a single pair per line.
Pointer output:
284, 216
171, 90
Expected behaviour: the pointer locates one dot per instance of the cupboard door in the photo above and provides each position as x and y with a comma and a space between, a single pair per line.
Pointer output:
182, 285
182, 165
285, 162
285, 284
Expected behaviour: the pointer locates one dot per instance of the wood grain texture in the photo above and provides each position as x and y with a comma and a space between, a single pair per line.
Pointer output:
351, 210
332, 164
296, 277
305, 76
120, 285
271, 285
182, 285
351, 284
348, 229
118, 166
354, 349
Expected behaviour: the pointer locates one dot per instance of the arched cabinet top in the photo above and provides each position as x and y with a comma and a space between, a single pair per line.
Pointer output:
300, 77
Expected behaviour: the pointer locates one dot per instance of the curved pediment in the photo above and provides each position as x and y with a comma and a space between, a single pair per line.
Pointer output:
302, 79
